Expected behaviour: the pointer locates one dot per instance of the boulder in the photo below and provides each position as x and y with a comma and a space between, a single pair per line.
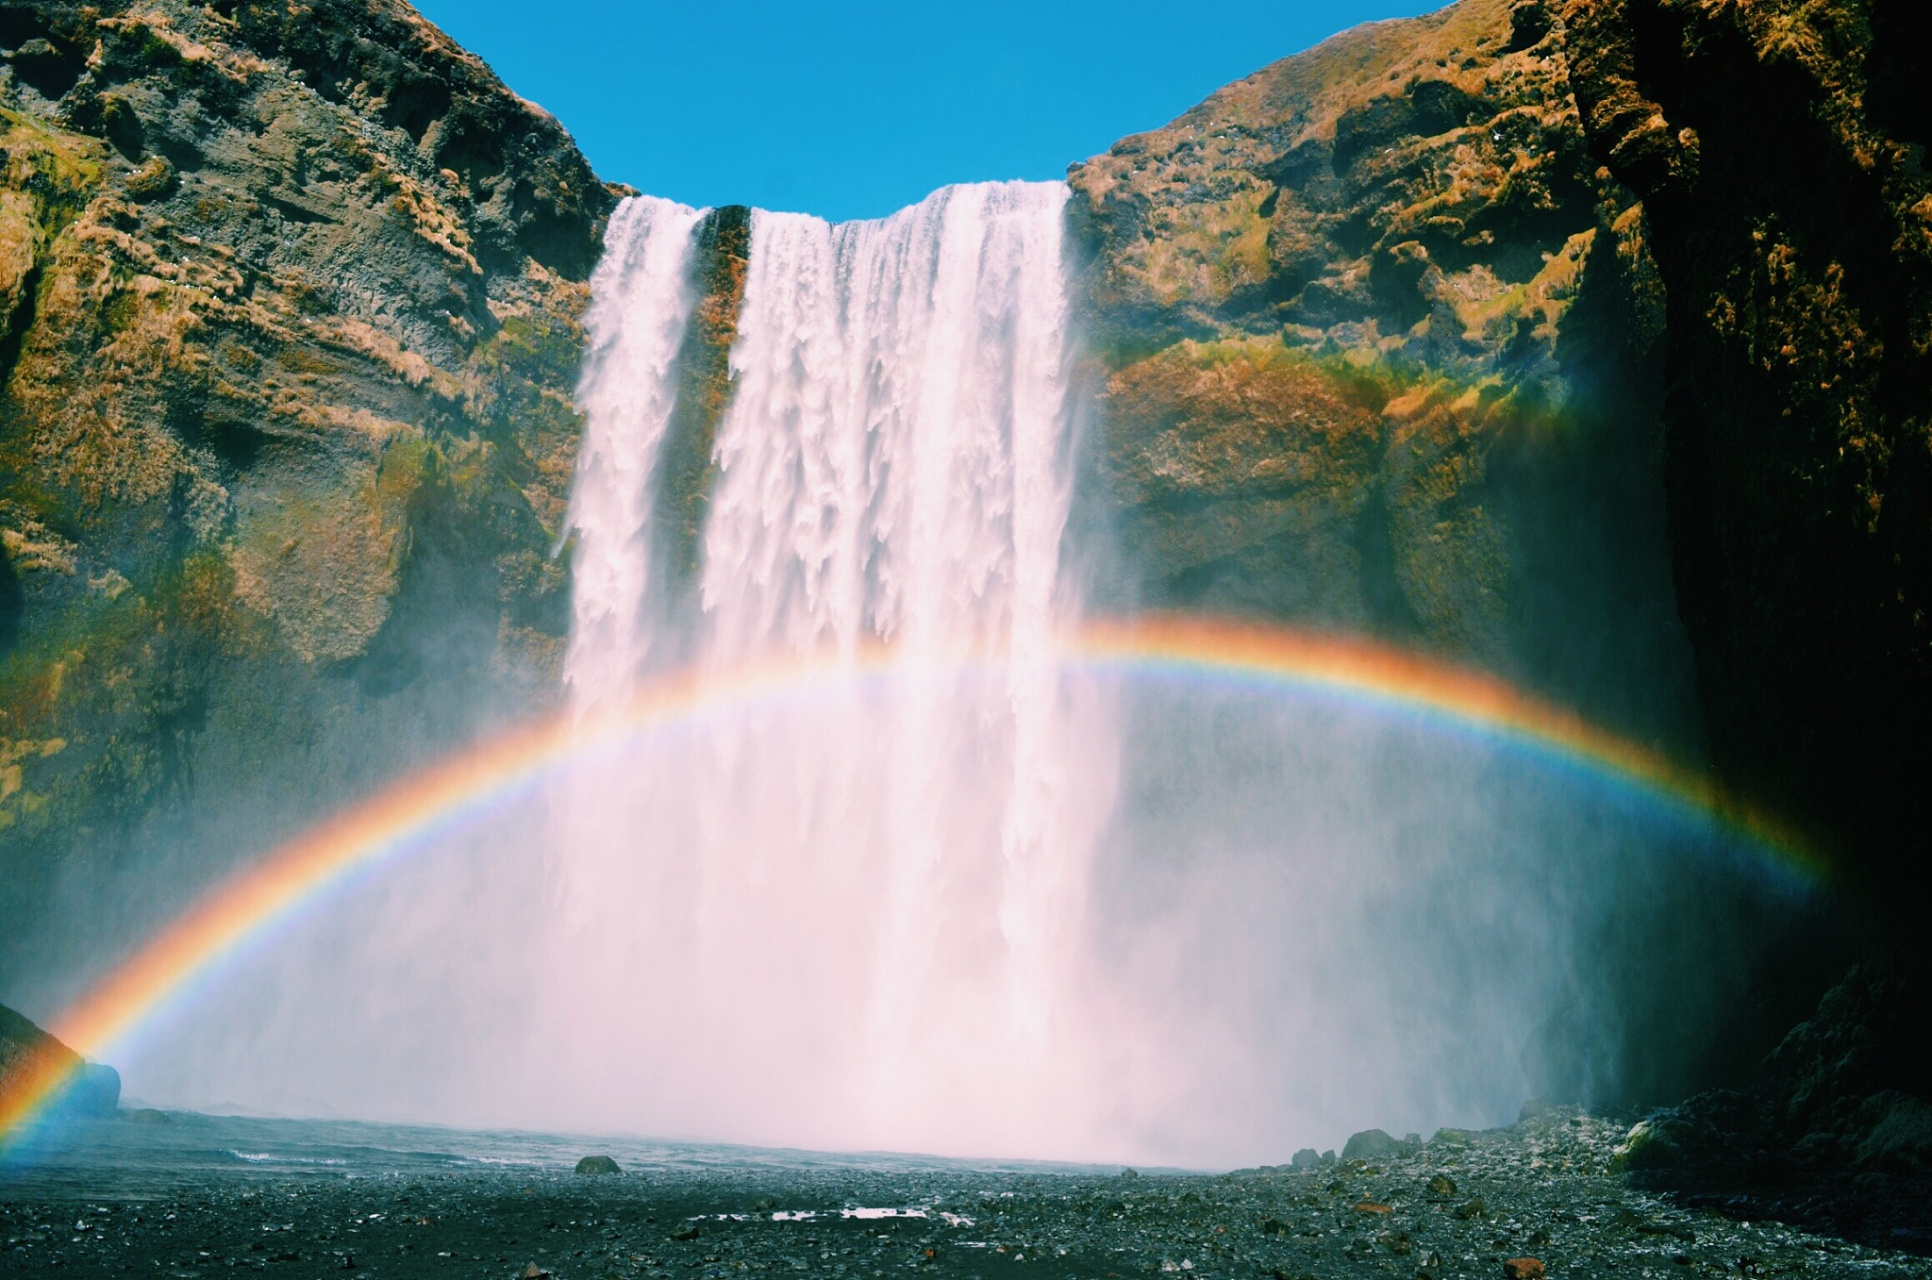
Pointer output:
597, 1166
1374, 1144
26, 1052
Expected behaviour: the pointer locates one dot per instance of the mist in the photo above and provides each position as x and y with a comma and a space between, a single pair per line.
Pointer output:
987, 902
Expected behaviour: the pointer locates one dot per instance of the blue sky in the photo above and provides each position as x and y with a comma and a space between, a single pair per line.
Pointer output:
854, 109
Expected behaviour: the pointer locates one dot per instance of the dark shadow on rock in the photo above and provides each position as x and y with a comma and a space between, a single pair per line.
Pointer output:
84, 1089
13, 603
1834, 1136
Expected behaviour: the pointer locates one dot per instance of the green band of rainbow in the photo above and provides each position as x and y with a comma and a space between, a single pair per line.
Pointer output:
408, 813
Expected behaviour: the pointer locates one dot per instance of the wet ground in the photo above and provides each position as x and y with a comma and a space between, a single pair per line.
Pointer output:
1477, 1205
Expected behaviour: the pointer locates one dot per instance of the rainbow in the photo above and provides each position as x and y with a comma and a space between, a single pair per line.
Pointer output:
446, 796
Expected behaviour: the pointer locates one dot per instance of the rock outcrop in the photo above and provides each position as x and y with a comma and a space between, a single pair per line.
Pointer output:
1380, 347
29, 1057
1524, 330
289, 300
1835, 1133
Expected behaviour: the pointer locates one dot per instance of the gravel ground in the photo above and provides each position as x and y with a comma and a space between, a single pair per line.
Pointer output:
1464, 1204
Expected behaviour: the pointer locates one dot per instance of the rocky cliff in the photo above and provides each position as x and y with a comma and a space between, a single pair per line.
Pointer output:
289, 300
1381, 342
1780, 152
1779, 149
1525, 330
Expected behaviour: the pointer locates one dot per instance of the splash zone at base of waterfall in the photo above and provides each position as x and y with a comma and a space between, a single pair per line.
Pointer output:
979, 900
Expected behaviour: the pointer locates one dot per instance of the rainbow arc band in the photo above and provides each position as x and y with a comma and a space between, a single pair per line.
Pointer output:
415, 810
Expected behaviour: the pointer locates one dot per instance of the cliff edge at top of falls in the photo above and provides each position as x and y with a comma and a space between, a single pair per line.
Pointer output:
289, 304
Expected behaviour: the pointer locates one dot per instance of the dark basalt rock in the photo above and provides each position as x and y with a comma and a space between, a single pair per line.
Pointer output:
26, 1052
1374, 1144
597, 1166
1835, 1133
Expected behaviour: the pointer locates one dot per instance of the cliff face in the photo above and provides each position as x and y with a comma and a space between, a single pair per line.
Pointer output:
1399, 335
289, 300
1381, 345
1380, 342
1780, 152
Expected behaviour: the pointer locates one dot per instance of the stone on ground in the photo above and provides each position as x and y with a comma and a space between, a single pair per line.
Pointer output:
1373, 1144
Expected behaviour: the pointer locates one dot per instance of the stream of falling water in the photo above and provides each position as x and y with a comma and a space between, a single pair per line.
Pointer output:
863, 902
978, 902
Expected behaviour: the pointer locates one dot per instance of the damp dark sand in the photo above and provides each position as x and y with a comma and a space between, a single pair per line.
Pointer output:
1464, 1206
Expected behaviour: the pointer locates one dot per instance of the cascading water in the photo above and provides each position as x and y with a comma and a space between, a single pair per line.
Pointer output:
904, 909
968, 897
642, 299
871, 891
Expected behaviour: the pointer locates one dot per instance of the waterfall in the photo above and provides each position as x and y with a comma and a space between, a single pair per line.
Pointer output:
882, 883
933, 887
642, 298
